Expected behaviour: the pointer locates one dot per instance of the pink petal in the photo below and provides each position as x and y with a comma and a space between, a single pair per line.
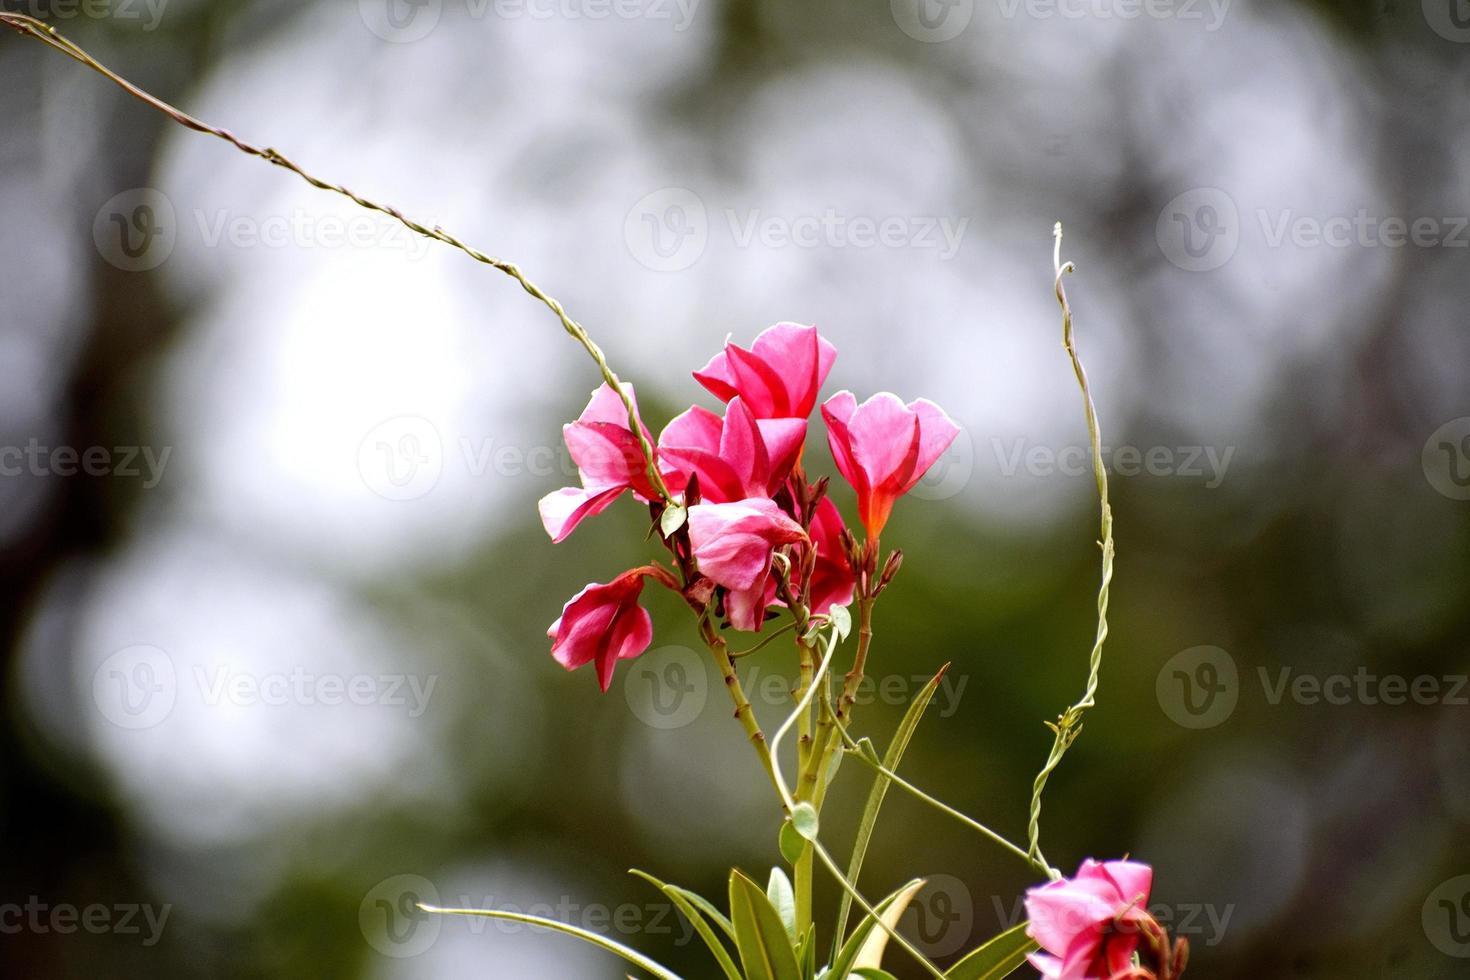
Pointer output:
883, 431
742, 447
1133, 880
718, 481
605, 453
746, 609
564, 509
1048, 966
628, 635
837, 412
717, 378
733, 541
784, 439
759, 382
804, 359
1061, 911
937, 431
698, 428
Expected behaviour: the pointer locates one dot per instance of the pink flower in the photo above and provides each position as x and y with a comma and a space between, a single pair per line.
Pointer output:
833, 580
609, 461
603, 624
733, 544
779, 377
735, 458
1089, 923
884, 447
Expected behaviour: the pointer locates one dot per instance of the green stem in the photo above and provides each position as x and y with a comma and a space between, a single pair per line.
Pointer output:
48, 35
1069, 724
744, 713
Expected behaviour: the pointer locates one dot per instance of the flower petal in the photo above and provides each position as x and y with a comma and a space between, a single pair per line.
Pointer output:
564, 509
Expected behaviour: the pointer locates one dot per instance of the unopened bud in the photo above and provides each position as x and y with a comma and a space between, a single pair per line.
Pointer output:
890, 569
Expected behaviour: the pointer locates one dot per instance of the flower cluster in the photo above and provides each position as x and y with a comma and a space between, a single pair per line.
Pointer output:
745, 527
1093, 924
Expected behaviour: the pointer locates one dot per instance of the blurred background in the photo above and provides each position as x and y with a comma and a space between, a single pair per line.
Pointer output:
275, 590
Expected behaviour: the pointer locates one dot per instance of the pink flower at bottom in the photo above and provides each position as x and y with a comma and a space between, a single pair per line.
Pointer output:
603, 624
1089, 924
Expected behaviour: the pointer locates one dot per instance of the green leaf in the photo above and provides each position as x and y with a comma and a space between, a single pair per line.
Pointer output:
881, 782
997, 958
631, 955
804, 820
792, 843
841, 618
806, 954
842, 963
672, 519
701, 924
783, 900
871, 955
760, 936
873, 973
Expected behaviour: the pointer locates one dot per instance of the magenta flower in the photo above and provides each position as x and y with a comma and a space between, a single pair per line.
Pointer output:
1090, 923
733, 544
735, 458
884, 447
833, 580
779, 377
603, 624
609, 461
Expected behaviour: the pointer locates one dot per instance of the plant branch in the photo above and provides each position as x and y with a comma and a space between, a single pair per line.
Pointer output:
48, 35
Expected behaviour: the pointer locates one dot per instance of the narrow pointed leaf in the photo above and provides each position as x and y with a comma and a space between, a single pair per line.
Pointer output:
760, 936
881, 782
842, 963
700, 922
871, 954
618, 949
997, 958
